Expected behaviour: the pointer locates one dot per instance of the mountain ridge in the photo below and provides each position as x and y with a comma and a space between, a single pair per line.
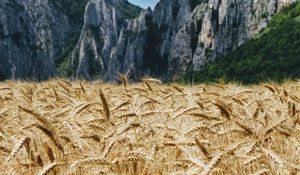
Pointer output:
273, 54
177, 37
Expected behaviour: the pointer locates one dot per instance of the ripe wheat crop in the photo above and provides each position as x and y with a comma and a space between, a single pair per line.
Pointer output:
62, 127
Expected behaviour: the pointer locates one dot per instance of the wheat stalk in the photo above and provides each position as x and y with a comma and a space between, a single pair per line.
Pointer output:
47, 168
75, 135
148, 129
105, 105
18, 145
261, 171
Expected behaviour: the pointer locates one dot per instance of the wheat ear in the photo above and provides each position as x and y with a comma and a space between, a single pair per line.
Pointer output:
105, 105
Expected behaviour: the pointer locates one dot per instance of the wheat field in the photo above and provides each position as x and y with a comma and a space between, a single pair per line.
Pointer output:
63, 127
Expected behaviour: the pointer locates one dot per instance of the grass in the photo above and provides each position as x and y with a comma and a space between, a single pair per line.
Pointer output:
63, 127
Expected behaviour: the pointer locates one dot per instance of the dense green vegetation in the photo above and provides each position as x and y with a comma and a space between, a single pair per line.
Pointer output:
194, 3
128, 10
273, 55
63, 64
74, 9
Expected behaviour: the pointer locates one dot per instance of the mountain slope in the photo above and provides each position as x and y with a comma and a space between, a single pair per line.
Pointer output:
177, 37
74, 10
21, 54
273, 54
52, 26
104, 21
40, 39
33, 36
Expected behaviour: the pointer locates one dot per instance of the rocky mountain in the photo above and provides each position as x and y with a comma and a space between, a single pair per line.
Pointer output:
273, 54
40, 38
33, 34
105, 22
178, 36
52, 27
21, 57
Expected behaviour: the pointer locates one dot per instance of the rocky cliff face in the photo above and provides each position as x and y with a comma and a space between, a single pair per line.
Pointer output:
178, 36
32, 33
228, 24
130, 53
103, 30
52, 27
20, 54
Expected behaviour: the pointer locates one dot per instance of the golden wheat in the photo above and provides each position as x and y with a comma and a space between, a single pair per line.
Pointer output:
64, 127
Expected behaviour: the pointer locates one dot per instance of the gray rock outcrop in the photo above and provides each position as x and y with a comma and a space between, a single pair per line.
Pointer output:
52, 27
21, 58
32, 33
177, 37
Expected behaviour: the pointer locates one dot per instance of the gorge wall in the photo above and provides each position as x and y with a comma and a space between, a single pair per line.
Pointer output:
176, 37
